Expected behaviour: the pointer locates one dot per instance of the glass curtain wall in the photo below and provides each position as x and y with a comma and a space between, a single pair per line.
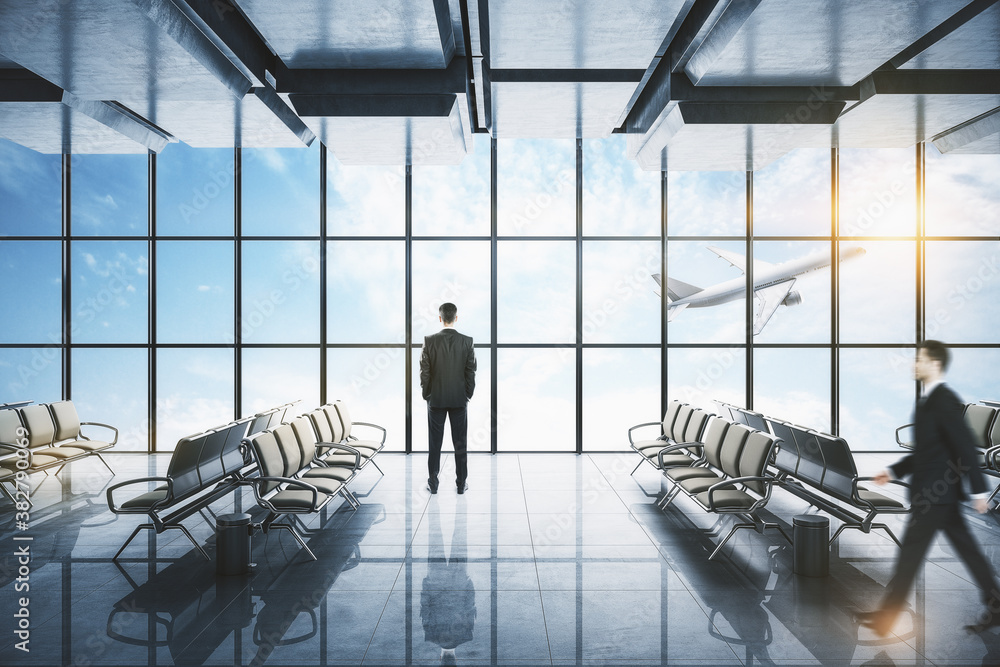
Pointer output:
170, 293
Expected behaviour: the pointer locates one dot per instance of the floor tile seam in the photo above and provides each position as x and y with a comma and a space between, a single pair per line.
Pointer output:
538, 579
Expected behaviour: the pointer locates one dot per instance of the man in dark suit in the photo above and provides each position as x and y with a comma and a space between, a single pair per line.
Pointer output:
447, 380
943, 454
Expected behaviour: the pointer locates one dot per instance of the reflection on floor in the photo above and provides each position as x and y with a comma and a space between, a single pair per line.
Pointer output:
547, 559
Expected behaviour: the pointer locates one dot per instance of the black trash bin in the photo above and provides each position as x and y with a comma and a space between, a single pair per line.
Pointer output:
232, 544
811, 537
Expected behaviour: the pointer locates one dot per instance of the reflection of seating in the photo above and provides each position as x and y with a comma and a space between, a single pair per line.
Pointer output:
820, 469
202, 469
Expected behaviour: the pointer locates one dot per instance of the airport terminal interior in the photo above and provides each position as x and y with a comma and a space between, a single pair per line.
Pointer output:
695, 242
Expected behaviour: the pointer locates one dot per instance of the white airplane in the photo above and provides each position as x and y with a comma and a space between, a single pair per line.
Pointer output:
772, 284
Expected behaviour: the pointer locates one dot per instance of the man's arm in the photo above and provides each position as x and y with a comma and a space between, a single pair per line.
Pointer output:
425, 372
470, 371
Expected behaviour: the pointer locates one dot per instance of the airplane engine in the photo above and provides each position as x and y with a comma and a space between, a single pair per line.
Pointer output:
794, 298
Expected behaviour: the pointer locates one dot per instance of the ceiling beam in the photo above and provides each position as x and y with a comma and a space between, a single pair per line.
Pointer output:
988, 124
948, 26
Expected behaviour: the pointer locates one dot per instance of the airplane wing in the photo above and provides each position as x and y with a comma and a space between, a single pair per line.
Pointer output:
656, 277
674, 311
737, 260
770, 298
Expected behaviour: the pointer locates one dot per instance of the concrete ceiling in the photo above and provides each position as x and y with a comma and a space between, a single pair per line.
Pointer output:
695, 84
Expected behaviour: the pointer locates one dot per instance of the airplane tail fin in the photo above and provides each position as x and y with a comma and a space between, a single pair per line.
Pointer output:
678, 290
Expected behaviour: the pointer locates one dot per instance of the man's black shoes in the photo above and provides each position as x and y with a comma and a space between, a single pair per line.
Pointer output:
462, 488
432, 485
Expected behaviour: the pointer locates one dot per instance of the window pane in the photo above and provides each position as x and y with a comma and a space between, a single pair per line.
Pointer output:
280, 292
614, 400
706, 203
455, 271
110, 386
365, 201
793, 385
791, 196
281, 191
619, 198
32, 312
195, 191
962, 289
701, 376
372, 383
194, 292
273, 377
454, 200
366, 292
878, 192
808, 319
30, 374
478, 408
536, 187
31, 192
876, 397
536, 400
877, 298
961, 194
194, 392
971, 374
110, 194
536, 291
619, 304
694, 264
110, 292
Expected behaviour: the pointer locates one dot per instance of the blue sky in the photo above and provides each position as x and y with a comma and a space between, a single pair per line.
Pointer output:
536, 287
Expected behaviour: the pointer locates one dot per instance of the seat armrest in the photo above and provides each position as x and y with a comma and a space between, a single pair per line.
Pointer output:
340, 445
369, 424
733, 481
906, 445
107, 426
643, 425
679, 445
166, 501
291, 482
856, 497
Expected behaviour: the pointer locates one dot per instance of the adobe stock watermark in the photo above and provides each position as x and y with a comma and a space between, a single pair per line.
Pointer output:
22, 541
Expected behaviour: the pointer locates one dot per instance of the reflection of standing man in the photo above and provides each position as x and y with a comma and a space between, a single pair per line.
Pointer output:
447, 380
448, 598
943, 452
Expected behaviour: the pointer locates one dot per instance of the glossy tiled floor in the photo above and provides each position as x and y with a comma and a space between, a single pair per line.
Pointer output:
547, 560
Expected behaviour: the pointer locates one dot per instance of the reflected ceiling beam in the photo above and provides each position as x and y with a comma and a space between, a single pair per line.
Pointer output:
232, 35
930, 82
284, 113
566, 75
979, 135
21, 85
712, 28
373, 81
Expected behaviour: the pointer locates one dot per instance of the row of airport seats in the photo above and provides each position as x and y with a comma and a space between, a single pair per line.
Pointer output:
702, 455
306, 463
820, 468
214, 463
46, 436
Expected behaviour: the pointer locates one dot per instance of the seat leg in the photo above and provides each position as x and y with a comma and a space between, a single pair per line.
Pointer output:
636, 467
669, 498
185, 531
147, 526
731, 533
295, 534
889, 533
106, 465
372, 461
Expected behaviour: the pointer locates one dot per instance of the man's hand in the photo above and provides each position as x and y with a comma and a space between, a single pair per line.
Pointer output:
981, 505
882, 478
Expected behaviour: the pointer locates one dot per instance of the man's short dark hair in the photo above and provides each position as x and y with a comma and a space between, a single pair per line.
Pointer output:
936, 351
448, 312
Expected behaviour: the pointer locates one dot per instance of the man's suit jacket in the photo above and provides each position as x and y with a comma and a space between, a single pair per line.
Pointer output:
447, 369
944, 451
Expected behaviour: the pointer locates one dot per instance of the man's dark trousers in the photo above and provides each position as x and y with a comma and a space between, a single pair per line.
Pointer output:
459, 436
